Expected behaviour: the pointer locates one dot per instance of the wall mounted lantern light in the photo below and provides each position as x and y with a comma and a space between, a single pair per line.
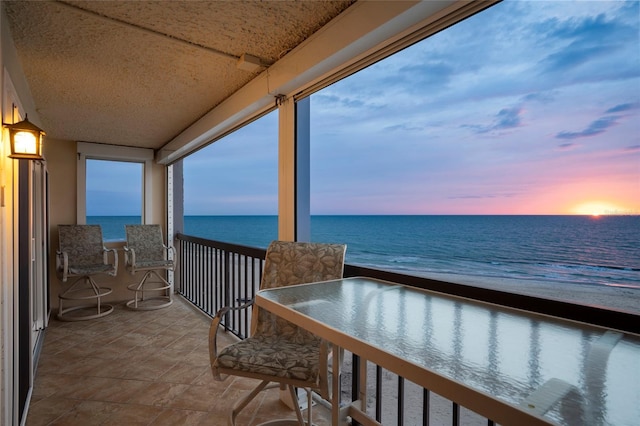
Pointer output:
26, 140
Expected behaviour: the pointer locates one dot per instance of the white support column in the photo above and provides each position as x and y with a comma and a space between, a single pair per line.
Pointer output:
175, 211
303, 173
286, 170
293, 170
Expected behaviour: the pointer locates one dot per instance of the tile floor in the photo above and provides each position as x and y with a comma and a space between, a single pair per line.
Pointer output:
141, 368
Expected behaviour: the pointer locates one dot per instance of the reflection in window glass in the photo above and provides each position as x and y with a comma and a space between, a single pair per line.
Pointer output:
114, 196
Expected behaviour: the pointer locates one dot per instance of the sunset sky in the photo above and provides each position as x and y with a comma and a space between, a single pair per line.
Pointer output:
527, 108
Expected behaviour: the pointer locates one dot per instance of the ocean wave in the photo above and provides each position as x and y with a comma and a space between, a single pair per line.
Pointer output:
404, 259
611, 276
596, 267
630, 286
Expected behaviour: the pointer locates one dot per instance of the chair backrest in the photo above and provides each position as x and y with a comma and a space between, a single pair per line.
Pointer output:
289, 263
82, 243
147, 242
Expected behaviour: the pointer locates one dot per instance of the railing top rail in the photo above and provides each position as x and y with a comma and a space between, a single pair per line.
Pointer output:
235, 248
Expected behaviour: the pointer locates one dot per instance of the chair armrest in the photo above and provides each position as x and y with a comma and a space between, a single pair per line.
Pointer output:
171, 254
105, 253
62, 264
213, 333
130, 259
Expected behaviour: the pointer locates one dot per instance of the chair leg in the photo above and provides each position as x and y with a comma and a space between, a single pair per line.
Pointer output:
309, 405
240, 405
79, 292
139, 293
294, 398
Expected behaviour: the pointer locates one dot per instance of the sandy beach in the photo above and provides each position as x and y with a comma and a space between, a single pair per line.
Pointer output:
609, 297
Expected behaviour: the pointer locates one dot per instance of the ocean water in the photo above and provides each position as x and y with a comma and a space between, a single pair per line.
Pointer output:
113, 226
600, 251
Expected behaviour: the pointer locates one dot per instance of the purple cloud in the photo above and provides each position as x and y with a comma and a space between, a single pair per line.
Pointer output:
595, 128
506, 118
480, 196
623, 107
566, 146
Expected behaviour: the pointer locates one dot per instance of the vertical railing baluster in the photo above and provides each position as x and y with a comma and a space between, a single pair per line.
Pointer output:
190, 277
225, 285
234, 290
194, 274
378, 393
212, 282
184, 261
184, 269
400, 400
224, 281
246, 294
355, 380
456, 415
202, 281
198, 280
204, 290
206, 306
218, 279
425, 407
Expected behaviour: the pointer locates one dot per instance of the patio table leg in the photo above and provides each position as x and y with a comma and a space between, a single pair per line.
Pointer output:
357, 410
337, 416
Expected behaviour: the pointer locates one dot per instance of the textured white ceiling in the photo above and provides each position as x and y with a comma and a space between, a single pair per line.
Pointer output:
137, 73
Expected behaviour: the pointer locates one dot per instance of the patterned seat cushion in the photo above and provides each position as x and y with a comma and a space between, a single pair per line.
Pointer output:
154, 264
92, 269
272, 355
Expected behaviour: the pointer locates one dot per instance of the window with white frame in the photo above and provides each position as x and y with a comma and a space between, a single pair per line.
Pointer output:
113, 187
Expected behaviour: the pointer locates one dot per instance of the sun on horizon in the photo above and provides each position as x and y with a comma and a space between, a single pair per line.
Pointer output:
599, 208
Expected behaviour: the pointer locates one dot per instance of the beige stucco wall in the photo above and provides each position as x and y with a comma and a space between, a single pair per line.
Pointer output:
61, 158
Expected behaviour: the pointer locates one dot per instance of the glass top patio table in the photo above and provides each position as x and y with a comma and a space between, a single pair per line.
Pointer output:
508, 365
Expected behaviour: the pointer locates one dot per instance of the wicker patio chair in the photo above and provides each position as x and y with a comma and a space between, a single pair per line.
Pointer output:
278, 352
146, 252
82, 254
